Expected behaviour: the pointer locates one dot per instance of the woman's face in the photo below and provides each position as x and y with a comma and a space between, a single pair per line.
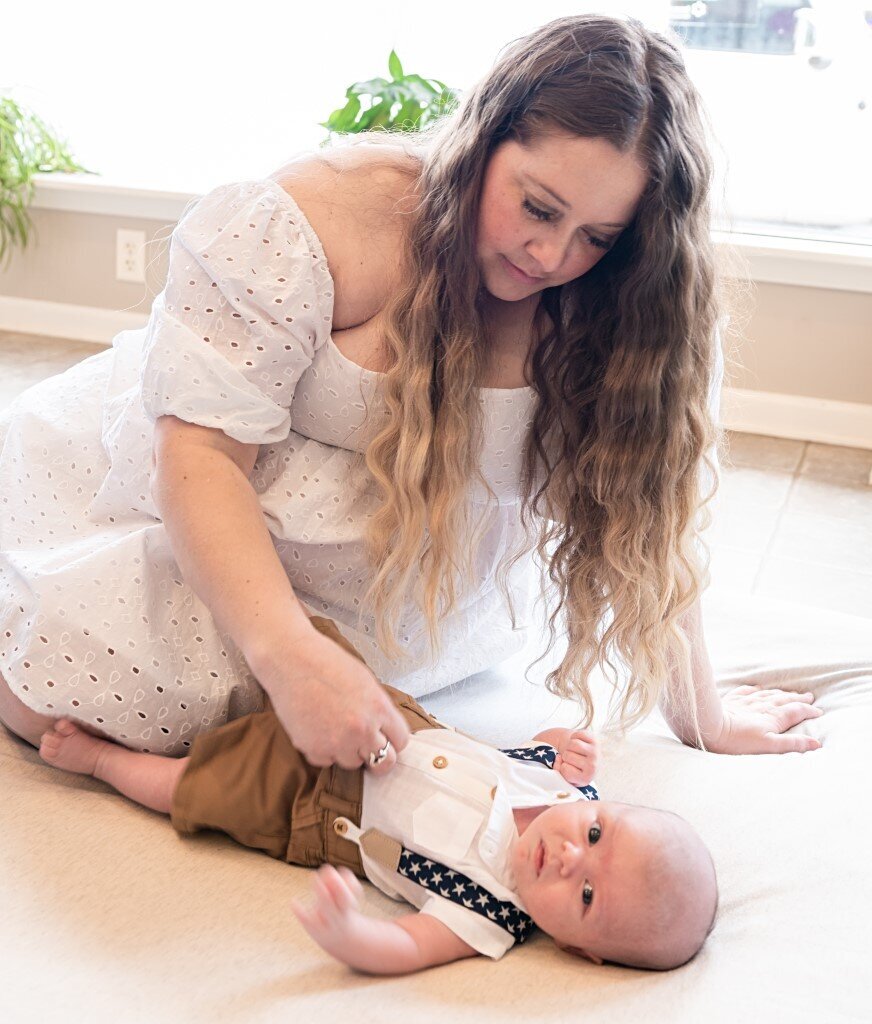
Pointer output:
550, 211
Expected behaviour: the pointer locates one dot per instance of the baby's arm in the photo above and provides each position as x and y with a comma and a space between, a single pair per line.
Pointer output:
577, 751
401, 946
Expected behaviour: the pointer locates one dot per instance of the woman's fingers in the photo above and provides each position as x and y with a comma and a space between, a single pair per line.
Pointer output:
789, 715
394, 726
781, 743
785, 697
394, 733
377, 745
380, 725
759, 693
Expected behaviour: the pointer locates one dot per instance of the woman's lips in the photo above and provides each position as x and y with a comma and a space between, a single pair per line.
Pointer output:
518, 273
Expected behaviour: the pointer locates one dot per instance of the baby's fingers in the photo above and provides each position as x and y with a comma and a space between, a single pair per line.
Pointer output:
588, 735
351, 880
581, 748
582, 754
335, 889
313, 921
576, 776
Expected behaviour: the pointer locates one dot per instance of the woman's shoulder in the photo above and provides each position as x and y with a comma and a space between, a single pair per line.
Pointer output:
357, 199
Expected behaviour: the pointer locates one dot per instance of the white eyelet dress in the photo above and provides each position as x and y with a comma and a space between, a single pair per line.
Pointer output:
96, 621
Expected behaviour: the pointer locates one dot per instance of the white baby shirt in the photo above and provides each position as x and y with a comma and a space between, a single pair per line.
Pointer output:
450, 797
96, 620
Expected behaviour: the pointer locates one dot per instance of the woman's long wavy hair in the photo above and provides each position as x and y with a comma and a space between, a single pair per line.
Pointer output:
617, 467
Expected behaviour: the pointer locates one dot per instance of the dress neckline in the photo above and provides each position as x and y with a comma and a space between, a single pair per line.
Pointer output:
315, 241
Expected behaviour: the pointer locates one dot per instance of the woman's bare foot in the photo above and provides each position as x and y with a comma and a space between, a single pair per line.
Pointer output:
67, 746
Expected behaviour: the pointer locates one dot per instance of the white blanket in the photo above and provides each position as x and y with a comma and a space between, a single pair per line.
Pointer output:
108, 915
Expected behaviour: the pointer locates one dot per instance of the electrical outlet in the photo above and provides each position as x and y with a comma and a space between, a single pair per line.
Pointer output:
130, 256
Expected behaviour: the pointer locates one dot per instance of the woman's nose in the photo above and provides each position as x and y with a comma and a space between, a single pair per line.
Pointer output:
570, 855
548, 254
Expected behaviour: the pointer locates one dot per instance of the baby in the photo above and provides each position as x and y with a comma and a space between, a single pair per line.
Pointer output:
486, 843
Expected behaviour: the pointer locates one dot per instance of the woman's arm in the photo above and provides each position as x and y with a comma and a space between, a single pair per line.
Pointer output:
219, 537
328, 701
708, 702
749, 720
401, 946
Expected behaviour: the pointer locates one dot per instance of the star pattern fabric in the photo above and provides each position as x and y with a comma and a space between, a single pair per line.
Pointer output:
460, 889
545, 754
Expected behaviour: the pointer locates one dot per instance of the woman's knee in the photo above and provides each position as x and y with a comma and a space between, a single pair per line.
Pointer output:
20, 719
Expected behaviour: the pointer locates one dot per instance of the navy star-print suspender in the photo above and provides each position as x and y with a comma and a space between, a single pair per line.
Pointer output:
460, 889
545, 754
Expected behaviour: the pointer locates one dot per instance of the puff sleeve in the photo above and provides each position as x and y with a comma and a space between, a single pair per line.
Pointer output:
248, 301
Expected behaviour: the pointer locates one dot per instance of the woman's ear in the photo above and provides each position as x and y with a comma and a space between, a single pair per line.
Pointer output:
594, 959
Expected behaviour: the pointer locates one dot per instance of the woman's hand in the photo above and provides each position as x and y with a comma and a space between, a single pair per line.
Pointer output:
755, 721
330, 704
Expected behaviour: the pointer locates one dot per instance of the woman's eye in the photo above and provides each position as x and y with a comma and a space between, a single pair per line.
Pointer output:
587, 894
535, 211
598, 242
594, 833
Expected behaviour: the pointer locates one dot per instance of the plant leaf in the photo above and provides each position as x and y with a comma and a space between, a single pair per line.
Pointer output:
408, 116
372, 87
405, 103
394, 66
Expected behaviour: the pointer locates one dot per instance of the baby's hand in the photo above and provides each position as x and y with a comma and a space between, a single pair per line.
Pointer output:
577, 756
334, 921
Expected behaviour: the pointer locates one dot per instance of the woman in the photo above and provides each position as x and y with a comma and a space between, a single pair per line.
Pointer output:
524, 301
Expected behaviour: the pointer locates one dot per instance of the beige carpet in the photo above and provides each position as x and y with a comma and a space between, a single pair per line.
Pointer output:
108, 916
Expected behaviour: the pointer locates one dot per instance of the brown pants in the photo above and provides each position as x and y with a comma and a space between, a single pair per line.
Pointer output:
247, 779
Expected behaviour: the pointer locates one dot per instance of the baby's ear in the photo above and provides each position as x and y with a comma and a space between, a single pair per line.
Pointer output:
594, 959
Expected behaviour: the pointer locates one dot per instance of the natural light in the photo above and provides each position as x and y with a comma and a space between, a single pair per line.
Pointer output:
186, 96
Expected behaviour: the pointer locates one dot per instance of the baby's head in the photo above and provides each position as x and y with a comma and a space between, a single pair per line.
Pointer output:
617, 882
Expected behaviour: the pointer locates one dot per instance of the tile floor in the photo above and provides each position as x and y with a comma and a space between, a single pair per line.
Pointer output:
793, 519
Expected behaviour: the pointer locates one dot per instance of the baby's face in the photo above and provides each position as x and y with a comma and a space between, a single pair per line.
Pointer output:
578, 871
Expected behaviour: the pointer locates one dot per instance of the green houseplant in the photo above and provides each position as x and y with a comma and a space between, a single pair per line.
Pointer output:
27, 147
405, 103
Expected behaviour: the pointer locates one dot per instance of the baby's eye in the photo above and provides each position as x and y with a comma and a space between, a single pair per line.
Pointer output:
587, 894
594, 833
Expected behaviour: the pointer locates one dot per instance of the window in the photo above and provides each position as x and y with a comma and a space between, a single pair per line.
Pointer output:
186, 96
743, 26
789, 91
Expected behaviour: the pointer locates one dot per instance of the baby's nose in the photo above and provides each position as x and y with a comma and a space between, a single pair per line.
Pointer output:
570, 855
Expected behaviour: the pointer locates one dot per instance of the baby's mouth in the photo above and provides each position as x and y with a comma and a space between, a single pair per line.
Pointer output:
540, 858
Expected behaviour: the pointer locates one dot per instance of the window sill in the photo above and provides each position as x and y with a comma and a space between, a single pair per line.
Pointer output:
844, 266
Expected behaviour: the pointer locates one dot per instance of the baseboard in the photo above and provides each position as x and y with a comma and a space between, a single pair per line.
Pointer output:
797, 417
65, 320
751, 412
